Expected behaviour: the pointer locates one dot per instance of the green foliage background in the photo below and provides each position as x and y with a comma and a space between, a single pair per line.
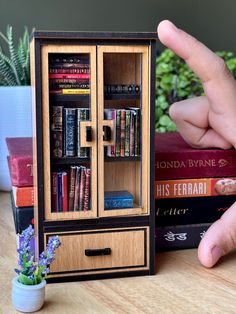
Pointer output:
14, 59
175, 81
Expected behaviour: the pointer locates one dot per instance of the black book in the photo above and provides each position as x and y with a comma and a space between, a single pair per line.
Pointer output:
179, 237
23, 216
183, 211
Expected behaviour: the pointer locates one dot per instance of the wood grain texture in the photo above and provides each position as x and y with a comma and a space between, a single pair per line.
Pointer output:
181, 285
34, 135
131, 65
127, 249
46, 50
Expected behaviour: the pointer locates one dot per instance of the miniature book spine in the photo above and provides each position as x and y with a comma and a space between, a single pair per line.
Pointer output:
72, 178
122, 133
59, 192
82, 188
70, 132
77, 188
137, 148
54, 192
118, 133
64, 192
127, 134
87, 189
131, 133
56, 128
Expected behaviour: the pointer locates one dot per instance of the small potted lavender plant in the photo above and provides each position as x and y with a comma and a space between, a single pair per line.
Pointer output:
28, 287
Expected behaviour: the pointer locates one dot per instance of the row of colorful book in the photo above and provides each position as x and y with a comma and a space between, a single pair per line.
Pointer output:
21, 173
71, 190
69, 74
126, 132
65, 132
193, 188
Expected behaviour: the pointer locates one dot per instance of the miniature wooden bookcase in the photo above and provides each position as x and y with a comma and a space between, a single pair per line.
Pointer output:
93, 109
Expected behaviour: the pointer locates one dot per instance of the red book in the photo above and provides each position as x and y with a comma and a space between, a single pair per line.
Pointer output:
175, 159
20, 160
54, 192
69, 76
177, 188
64, 192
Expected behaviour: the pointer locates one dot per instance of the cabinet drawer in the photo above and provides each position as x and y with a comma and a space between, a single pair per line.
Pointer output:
101, 250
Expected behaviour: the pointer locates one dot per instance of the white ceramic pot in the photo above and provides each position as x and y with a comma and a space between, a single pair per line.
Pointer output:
27, 298
15, 121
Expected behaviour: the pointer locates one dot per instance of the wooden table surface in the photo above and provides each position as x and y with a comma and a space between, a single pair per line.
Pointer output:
181, 284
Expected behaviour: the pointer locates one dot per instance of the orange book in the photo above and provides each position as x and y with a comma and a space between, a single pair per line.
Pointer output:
195, 187
23, 196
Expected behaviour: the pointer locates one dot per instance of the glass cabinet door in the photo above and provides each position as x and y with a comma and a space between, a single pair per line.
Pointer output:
69, 131
123, 130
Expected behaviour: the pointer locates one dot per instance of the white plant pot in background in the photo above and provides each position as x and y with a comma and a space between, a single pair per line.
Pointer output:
15, 121
28, 298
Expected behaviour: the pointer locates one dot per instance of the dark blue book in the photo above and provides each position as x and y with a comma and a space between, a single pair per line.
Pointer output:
118, 200
70, 131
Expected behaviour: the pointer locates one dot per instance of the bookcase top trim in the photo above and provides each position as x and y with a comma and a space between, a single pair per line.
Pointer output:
93, 35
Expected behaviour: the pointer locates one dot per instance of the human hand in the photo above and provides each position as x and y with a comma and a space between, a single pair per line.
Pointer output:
208, 121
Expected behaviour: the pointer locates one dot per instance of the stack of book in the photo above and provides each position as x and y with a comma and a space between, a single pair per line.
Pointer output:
21, 173
193, 188
69, 74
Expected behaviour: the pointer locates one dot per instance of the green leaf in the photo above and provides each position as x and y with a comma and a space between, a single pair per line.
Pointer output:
15, 66
13, 55
25, 280
165, 120
171, 127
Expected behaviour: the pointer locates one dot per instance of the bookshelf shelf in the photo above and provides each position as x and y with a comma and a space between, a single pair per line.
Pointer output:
69, 161
122, 96
65, 98
95, 202
122, 159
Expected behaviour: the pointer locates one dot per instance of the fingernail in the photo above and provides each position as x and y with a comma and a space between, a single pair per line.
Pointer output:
173, 26
216, 253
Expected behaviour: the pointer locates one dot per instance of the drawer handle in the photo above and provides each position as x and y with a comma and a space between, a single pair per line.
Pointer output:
97, 252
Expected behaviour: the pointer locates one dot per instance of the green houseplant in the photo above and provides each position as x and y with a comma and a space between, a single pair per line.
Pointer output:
15, 95
14, 65
175, 81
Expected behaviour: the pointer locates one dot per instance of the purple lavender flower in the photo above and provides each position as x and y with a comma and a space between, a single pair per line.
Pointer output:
54, 242
28, 234
48, 257
34, 271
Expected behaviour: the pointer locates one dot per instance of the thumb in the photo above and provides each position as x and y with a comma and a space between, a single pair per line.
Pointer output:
219, 239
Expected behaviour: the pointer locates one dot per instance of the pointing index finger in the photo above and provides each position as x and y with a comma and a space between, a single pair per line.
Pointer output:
200, 59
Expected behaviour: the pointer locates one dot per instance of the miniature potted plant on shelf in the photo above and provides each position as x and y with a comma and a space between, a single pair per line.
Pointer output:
15, 95
175, 81
28, 287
